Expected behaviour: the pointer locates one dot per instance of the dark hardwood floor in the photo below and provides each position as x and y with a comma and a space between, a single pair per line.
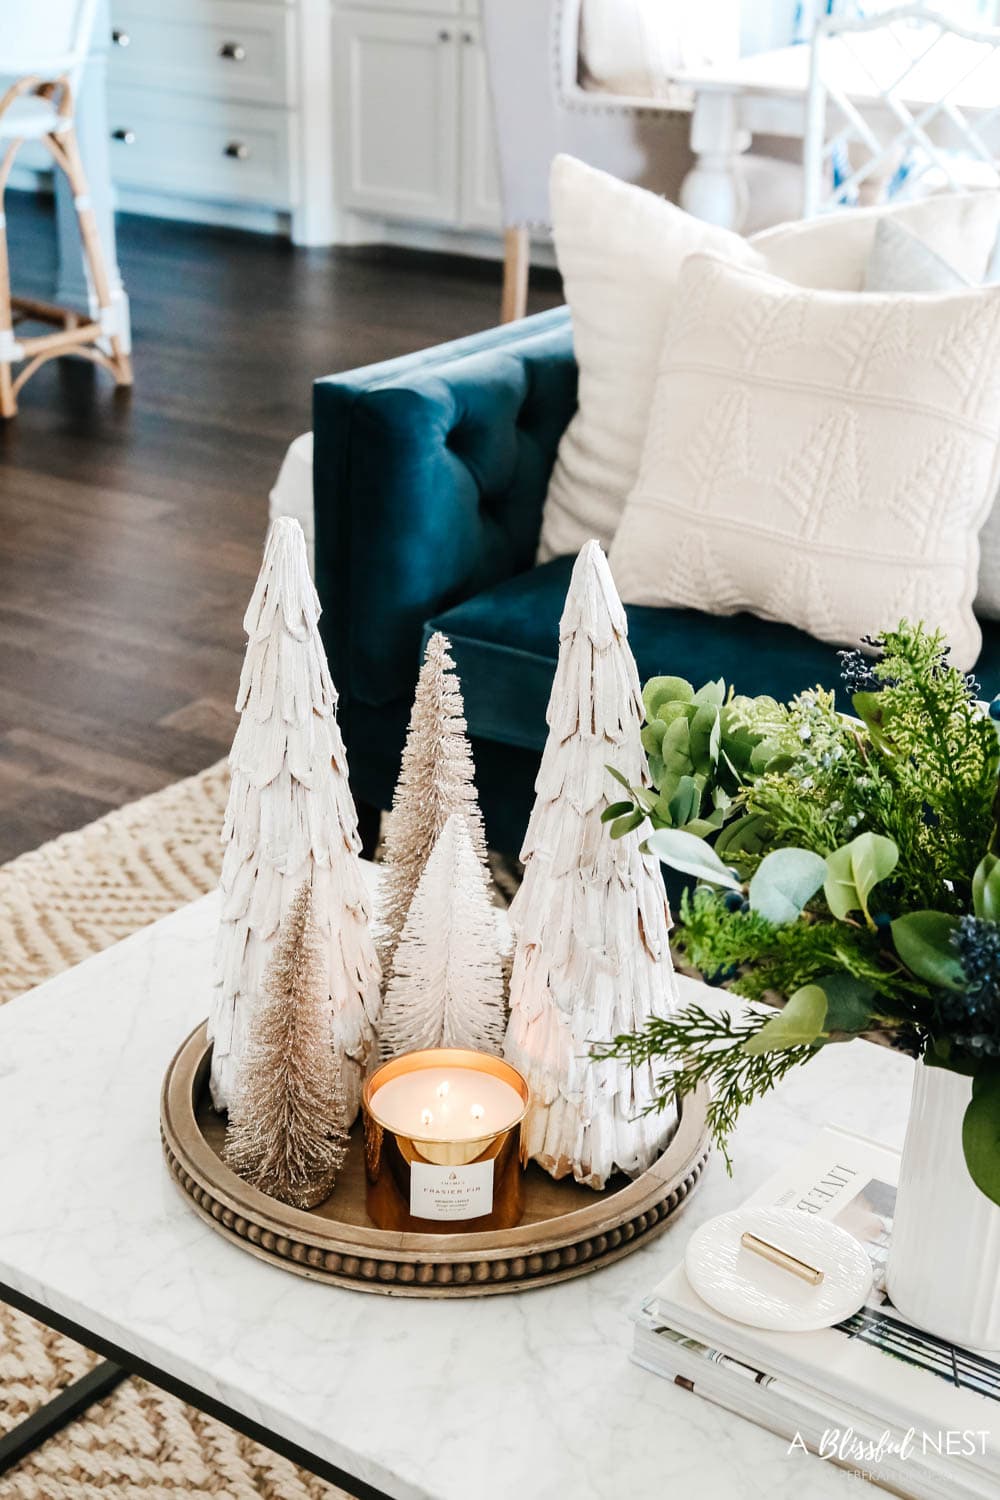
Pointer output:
131, 522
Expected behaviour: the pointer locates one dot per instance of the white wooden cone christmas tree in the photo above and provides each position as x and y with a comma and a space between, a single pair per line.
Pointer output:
436, 779
591, 920
290, 821
447, 984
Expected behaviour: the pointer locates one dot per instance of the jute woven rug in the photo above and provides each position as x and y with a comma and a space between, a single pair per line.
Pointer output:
59, 904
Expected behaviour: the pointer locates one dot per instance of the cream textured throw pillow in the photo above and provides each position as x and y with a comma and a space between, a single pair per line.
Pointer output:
820, 458
620, 250
901, 262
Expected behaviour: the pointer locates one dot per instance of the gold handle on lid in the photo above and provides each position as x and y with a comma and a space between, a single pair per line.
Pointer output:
782, 1258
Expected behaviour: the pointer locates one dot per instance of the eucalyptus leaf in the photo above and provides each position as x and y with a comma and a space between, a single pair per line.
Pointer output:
738, 745
747, 835
662, 811
712, 692
848, 1002
652, 737
685, 802
986, 888
675, 749
923, 942
798, 1024
615, 810
668, 712
784, 881
661, 690
621, 826
762, 754
854, 871
704, 826
703, 738
645, 798
721, 799
692, 856
981, 1132
617, 776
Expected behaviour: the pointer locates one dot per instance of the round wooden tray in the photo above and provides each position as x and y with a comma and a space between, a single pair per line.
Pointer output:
567, 1230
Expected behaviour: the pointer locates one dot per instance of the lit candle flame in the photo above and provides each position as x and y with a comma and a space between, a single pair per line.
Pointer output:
477, 1111
442, 1089
426, 1117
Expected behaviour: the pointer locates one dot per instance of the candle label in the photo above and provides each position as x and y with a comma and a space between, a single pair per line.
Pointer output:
451, 1192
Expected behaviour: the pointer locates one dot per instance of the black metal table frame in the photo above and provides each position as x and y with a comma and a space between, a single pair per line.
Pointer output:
118, 1364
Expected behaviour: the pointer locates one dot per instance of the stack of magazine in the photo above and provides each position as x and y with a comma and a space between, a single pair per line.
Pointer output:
904, 1409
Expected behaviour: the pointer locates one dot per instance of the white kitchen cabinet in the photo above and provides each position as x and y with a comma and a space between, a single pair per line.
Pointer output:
339, 121
215, 108
397, 84
413, 117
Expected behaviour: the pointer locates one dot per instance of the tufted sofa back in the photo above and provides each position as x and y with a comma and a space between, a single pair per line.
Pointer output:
429, 475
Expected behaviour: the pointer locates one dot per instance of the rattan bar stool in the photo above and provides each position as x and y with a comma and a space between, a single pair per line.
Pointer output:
44, 49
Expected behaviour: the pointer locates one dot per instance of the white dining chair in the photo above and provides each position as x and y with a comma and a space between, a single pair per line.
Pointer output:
43, 47
540, 109
904, 101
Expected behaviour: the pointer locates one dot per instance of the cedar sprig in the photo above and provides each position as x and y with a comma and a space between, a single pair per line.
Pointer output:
704, 1048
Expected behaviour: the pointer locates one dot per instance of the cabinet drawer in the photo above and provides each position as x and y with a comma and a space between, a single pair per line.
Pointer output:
227, 49
200, 148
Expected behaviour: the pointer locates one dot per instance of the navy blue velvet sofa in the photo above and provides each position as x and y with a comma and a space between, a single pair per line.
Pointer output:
430, 475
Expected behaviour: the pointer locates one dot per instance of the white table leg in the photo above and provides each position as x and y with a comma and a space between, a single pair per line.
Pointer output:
713, 189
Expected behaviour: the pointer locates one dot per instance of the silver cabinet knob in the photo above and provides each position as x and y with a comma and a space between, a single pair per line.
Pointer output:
237, 150
233, 51
120, 38
468, 37
444, 35
127, 137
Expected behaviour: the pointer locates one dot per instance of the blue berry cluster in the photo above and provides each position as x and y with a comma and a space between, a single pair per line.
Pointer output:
859, 676
973, 1017
856, 672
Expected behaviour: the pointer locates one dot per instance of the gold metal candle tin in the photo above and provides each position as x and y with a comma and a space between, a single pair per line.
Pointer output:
461, 1186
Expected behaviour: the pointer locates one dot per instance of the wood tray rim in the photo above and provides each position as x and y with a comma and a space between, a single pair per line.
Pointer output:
408, 1264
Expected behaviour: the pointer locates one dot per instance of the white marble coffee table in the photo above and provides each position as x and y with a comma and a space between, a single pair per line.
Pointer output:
530, 1395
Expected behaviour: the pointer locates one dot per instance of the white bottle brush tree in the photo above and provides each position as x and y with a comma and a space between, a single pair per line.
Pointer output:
447, 985
591, 920
286, 1133
291, 821
436, 779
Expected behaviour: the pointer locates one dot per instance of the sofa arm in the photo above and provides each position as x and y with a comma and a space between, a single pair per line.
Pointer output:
429, 477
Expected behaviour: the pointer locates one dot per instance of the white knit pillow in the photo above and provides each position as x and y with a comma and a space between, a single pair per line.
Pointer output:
821, 458
620, 251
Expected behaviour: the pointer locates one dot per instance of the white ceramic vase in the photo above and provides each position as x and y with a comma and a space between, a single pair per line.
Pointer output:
944, 1259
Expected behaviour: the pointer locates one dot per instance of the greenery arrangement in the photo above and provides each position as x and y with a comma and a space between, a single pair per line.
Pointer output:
848, 871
